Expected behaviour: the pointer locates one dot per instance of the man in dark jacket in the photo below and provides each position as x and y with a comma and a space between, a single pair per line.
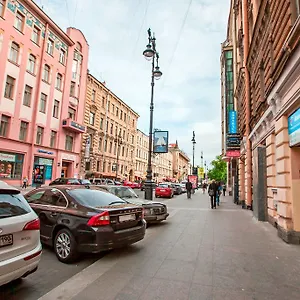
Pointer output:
212, 191
189, 188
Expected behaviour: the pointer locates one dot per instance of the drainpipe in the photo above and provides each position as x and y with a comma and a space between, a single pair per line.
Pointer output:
36, 105
248, 112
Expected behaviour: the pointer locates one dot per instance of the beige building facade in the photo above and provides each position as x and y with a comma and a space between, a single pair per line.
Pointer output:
110, 136
181, 162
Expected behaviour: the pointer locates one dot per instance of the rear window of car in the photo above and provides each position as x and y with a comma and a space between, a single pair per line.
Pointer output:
73, 181
94, 198
12, 205
85, 181
163, 185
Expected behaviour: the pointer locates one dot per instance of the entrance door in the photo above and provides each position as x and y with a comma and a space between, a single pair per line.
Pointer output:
65, 170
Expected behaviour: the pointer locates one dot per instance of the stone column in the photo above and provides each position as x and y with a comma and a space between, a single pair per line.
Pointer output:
283, 179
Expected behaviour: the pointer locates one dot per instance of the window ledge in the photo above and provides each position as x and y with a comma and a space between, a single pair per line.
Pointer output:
58, 89
27, 105
35, 43
14, 63
50, 54
62, 63
19, 30
30, 73
9, 98
46, 81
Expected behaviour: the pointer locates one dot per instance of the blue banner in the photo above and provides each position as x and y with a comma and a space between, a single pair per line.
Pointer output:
232, 121
294, 128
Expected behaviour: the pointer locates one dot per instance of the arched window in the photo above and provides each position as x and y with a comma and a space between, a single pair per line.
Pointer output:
46, 75
59, 81
31, 63
78, 46
14, 52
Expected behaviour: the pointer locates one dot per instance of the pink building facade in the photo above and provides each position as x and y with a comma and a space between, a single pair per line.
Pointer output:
43, 74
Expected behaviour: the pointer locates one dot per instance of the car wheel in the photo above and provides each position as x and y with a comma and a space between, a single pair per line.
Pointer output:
65, 246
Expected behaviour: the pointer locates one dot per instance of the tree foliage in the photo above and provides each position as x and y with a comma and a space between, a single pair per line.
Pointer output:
218, 171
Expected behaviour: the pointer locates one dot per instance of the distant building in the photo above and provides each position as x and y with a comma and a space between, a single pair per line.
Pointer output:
43, 74
107, 117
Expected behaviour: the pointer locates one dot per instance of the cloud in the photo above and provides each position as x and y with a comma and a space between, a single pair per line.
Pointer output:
187, 97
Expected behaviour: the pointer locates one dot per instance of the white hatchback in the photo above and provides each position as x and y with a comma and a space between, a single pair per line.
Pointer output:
20, 246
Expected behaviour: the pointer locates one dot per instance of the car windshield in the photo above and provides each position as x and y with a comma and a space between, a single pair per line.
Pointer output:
123, 192
163, 185
94, 198
12, 205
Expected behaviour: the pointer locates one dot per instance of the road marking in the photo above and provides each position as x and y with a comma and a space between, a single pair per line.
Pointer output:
76, 284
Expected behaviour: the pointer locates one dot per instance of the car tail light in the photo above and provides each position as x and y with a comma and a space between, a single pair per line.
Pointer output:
99, 220
33, 255
32, 225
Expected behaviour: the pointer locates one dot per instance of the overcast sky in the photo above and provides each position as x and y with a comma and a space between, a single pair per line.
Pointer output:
188, 33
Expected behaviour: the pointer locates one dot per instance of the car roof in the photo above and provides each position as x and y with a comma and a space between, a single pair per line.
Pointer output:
8, 189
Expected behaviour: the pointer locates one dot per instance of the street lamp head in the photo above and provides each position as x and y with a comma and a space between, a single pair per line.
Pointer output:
157, 73
149, 52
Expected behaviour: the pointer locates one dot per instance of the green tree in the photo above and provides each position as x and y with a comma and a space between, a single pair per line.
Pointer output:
218, 171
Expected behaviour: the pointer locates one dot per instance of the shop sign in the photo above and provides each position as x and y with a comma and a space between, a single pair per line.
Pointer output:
294, 128
45, 161
233, 153
232, 121
68, 156
7, 157
233, 141
45, 151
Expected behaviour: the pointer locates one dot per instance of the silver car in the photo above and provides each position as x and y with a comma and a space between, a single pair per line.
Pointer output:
20, 246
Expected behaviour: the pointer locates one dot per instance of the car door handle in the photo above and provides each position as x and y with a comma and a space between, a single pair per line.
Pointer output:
54, 214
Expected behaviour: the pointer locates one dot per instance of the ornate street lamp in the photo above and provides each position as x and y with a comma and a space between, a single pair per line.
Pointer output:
194, 143
119, 142
151, 53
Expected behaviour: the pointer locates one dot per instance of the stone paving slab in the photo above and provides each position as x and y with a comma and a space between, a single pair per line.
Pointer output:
200, 253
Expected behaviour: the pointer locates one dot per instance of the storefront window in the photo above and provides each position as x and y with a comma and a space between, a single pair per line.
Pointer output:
11, 165
48, 163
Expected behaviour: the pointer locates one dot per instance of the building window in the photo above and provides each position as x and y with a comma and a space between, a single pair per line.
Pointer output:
124, 117
262, 81
53, 139
9, 87
71, 113
36, 33
62, 56
115, 149
50, 47
297, 7
110, 147
113, 108
112, 128
103, 102
87, 166
108, 105
105, 145
92, 118
43, 103
124, 133
39, 135
19, 21
106, 129
14, 52
31, 63
101, 123
56, 109
23, 131
132, 139
27, 95
69, 143
2, 6
100, 144
46, 75
93, 95
58, 81
72, 89
123, 151
121, 114
4, 125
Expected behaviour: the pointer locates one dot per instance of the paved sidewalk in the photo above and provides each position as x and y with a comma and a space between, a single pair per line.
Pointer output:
199, 253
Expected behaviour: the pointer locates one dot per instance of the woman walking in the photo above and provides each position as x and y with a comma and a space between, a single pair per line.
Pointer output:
212, 192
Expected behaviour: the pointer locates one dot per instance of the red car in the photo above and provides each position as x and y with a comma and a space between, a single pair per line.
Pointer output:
164, 190
133, 185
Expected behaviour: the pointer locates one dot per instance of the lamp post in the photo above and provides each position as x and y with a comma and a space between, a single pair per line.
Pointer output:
151, 53
119, 142
194, 143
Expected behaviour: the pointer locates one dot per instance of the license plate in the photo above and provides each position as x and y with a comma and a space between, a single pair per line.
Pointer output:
162, 190
161, 217
126, 218
6, 240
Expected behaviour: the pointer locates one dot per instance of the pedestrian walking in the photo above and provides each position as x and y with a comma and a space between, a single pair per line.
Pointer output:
25, 183
224, 189
189, 188
219, 192
204, 187
212, 192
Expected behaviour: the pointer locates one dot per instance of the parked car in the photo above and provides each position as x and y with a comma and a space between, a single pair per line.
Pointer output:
100, 181
84, 181
76, 219
132, 184
183, 188
164, 190
177, 188
154, 211
20, 246
65, 181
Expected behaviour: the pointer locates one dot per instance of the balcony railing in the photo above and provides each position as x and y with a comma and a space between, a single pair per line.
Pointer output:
71, 125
